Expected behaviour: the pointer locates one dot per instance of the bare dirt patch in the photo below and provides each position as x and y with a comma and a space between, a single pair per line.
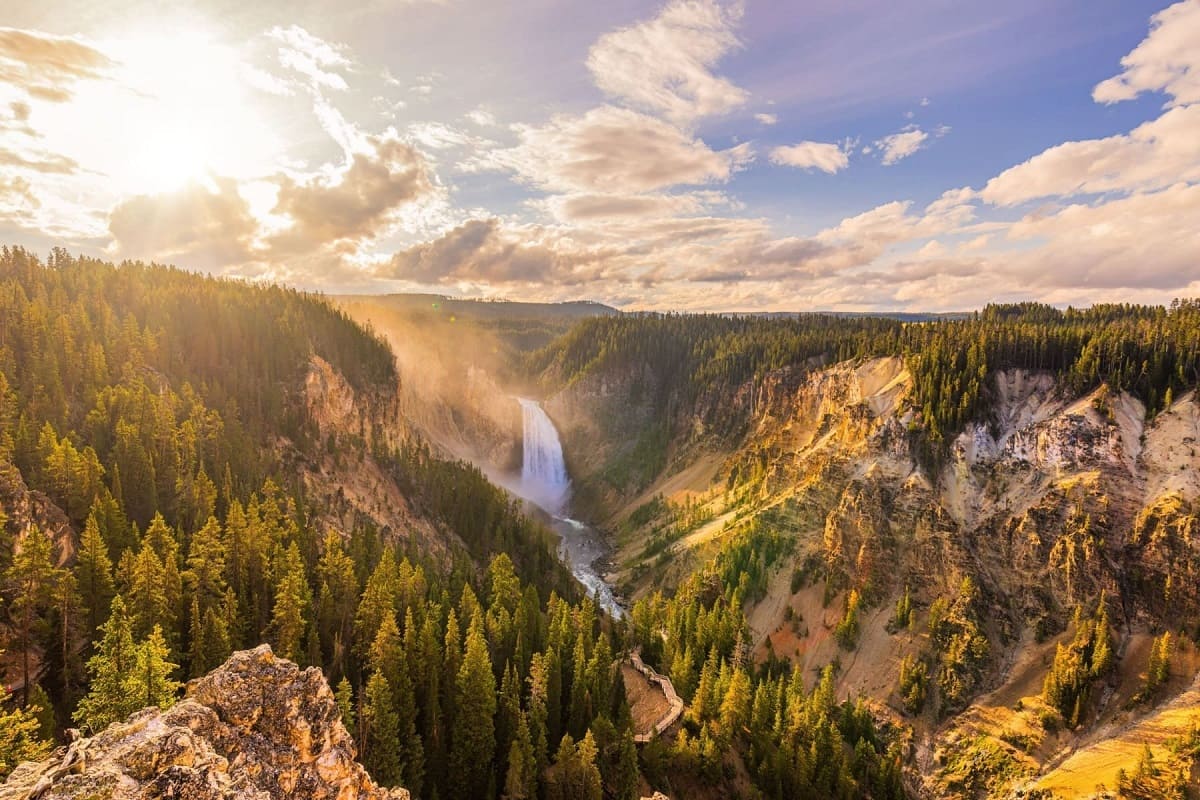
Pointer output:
647, 703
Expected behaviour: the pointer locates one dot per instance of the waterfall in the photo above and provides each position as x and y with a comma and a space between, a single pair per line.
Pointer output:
543, 472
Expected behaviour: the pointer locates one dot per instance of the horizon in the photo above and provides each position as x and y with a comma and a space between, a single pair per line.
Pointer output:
690, 155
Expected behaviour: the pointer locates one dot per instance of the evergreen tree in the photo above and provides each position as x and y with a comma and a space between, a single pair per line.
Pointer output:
29, 582
20, 738
625, 783
381, 745
93, 574
345, 701
521, 777
472, 738
292, 601
151, 683
111, 668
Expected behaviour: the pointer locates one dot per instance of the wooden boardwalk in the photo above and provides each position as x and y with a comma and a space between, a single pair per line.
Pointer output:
664, 683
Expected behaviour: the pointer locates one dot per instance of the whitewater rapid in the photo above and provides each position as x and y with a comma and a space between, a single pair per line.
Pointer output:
545, 482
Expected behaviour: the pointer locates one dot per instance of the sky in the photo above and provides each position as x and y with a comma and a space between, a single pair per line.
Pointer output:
930, 155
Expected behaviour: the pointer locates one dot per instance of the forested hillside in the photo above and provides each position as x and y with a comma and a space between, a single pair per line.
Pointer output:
169, 444
985, 526
680, 367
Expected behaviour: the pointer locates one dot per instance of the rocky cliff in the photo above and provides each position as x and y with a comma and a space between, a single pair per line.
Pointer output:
256, 728
1049, 502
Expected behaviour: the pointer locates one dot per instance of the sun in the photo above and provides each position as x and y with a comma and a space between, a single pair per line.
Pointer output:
198, 116
179, 109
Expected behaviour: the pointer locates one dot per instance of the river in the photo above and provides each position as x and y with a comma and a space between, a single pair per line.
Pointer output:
545, 483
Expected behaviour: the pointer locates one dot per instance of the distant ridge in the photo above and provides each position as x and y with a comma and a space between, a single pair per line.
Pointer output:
486, 309
482, 308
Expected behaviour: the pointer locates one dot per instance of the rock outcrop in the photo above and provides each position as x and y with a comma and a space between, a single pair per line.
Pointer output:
256, 728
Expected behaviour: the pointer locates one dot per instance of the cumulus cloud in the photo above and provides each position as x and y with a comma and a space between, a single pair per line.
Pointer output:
829, 158
613, 150
767, 119
481, 250
205, 226
1167, 60
665, 64
357, 203
899, 146
1154, 154
47, 67
1145, 240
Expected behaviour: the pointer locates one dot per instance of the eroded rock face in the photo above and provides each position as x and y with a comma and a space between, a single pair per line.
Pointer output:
258, 728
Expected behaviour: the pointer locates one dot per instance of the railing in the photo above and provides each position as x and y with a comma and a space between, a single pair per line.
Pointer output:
664, 683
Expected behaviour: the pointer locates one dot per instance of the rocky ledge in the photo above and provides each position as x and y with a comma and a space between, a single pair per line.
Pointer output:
256, 728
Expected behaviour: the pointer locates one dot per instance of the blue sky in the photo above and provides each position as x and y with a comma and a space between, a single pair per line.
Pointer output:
686, 154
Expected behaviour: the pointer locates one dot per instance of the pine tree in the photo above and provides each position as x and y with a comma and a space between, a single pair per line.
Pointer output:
336, 602
110, 698
204, 577
30, 580
211, 643
344, 694
381, 747
152, 684
378, 599
625, 783
735, 706
473, 742
520, 781
20, 738
292, 601
93, 574
153, 591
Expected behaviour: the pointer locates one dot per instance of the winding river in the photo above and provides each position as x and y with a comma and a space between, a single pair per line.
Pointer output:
545, 482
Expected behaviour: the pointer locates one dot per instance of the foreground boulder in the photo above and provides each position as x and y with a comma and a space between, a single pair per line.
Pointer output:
258, 728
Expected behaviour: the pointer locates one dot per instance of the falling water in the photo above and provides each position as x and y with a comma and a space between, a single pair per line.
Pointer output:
544, 481
543, 472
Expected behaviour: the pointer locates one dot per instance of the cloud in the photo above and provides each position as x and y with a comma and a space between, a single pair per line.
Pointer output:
47, 67
767, 119
17, 200
899, 146
587, 208
356, 203
1154, 154
1145, 240
482, 117
437, 136
481, 250
664, 65
44, 162
204, 226
1167, 60
613, 150
310, 56
829, 158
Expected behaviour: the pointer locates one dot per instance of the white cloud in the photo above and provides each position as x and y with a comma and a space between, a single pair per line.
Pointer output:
767, 119
1154, 154
1167, 60
901, 145
314, 58
613, 150
482, 117
664, 65
829, 158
